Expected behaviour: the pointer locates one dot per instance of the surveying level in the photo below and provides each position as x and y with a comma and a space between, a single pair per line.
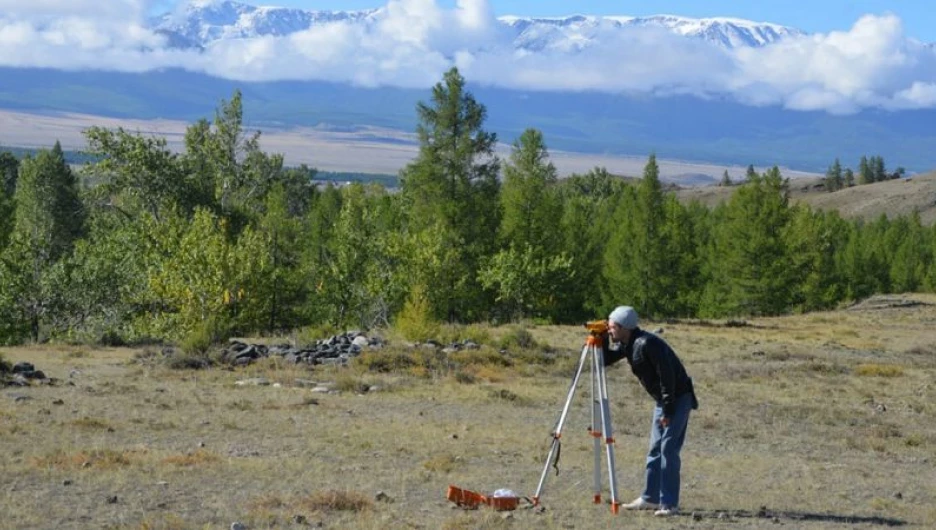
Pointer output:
597, 327
600, 419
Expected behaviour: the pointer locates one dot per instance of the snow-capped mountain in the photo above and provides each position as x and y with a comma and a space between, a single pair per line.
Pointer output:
580, 31
201, 22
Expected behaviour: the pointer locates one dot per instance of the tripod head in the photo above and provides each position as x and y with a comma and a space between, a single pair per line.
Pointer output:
597, 327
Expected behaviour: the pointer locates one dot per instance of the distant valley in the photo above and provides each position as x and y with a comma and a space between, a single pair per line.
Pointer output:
363, 149
360, 121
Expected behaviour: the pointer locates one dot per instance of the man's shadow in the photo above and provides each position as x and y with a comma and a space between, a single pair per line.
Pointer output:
785, 515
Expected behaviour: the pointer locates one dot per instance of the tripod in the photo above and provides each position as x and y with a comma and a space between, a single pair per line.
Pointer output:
601, 412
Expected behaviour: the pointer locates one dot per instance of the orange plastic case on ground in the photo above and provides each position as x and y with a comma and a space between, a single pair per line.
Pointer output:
473, 499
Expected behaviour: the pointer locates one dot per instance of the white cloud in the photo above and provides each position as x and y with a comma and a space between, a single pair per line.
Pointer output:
411, 42
867, 66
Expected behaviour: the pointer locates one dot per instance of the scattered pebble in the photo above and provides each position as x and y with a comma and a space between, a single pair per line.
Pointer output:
382, 497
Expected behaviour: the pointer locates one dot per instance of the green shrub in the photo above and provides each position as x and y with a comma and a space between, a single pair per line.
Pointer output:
451, 333
479, 357
346, 382
465, 378
419, 361
181, 360
538, 356
5, 366
310, 334
878, 370
205, 334
506, 395
197, 341
416, 321
517, 338
384, 361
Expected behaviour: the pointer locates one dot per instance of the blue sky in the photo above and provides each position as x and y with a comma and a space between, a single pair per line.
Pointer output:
814, 16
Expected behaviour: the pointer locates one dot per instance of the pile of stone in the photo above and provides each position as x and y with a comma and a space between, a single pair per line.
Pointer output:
23, 374
338, 349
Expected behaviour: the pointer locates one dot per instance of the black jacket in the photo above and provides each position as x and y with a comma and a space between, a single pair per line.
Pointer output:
656, 366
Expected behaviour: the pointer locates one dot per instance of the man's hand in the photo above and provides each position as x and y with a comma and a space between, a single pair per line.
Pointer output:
664, 422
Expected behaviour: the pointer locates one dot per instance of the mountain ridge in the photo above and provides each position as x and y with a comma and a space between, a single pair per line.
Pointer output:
620, 96
203, 23
677, 127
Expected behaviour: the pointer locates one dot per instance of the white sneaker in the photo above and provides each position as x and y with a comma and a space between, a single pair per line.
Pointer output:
666, 511
640, 504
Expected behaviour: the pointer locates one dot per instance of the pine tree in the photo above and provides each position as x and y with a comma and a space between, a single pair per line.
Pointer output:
849, 179
453, 181
638, 263
528, 197
530, 243
49, 219
588, 217
815, 240
865, 174
284, 288
877, 168
754, 276
834, 179
8, 171
750, 174
725, 179
911, 257
929, 279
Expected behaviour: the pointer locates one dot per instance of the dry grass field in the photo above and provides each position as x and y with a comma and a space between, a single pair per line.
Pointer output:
367, 150
818, 421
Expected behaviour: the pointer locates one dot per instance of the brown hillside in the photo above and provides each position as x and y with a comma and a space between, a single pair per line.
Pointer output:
892, 198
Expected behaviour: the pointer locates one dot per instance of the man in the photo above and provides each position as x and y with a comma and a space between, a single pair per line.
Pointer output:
665, 379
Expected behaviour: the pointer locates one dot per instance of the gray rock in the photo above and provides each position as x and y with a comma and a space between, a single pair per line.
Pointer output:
382, 497
280, 349
254, 381
23, 367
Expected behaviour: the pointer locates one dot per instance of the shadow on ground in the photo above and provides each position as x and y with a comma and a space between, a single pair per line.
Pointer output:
781, 516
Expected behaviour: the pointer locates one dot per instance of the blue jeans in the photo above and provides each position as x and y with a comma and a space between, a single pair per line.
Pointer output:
662, 486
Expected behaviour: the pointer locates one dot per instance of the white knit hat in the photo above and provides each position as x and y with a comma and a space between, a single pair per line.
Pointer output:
624, 316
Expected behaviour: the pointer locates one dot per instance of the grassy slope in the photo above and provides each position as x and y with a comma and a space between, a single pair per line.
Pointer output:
892, 198
821, 419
